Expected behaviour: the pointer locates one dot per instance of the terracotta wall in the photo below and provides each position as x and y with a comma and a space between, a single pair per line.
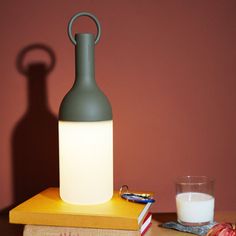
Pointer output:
169, 70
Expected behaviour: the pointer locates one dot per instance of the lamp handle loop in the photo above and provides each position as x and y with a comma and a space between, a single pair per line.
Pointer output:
79, 14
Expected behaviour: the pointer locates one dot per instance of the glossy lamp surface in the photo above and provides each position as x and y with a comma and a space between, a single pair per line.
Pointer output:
85, 134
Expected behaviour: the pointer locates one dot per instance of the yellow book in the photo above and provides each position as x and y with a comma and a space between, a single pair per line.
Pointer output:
47, 208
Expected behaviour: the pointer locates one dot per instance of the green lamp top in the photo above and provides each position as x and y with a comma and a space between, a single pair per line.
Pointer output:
85, 101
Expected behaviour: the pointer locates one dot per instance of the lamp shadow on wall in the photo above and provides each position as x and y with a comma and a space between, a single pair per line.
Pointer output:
35, 136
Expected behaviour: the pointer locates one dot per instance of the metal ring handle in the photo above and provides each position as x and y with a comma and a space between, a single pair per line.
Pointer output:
79, 14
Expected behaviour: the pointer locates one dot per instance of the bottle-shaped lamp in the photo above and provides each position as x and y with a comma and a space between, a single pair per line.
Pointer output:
85, 130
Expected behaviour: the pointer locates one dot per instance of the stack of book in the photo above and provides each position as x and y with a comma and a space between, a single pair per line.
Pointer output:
47, 215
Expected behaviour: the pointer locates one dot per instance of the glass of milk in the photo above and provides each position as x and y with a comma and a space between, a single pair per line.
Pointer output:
195, 200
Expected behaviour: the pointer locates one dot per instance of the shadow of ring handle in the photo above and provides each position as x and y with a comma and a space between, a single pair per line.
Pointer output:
23, 53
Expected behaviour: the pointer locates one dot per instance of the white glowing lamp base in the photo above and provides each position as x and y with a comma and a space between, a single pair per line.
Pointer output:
86, 161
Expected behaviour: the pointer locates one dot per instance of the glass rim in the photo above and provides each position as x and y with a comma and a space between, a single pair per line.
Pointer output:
191, 180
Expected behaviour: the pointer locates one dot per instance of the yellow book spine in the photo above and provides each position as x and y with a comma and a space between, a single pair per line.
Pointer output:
85, 221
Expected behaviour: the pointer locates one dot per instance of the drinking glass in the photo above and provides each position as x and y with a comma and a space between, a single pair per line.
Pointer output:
195, 200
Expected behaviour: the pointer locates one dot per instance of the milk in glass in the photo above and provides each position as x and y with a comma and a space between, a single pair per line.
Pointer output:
194, 207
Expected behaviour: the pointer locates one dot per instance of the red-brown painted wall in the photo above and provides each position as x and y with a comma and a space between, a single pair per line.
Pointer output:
169, 70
